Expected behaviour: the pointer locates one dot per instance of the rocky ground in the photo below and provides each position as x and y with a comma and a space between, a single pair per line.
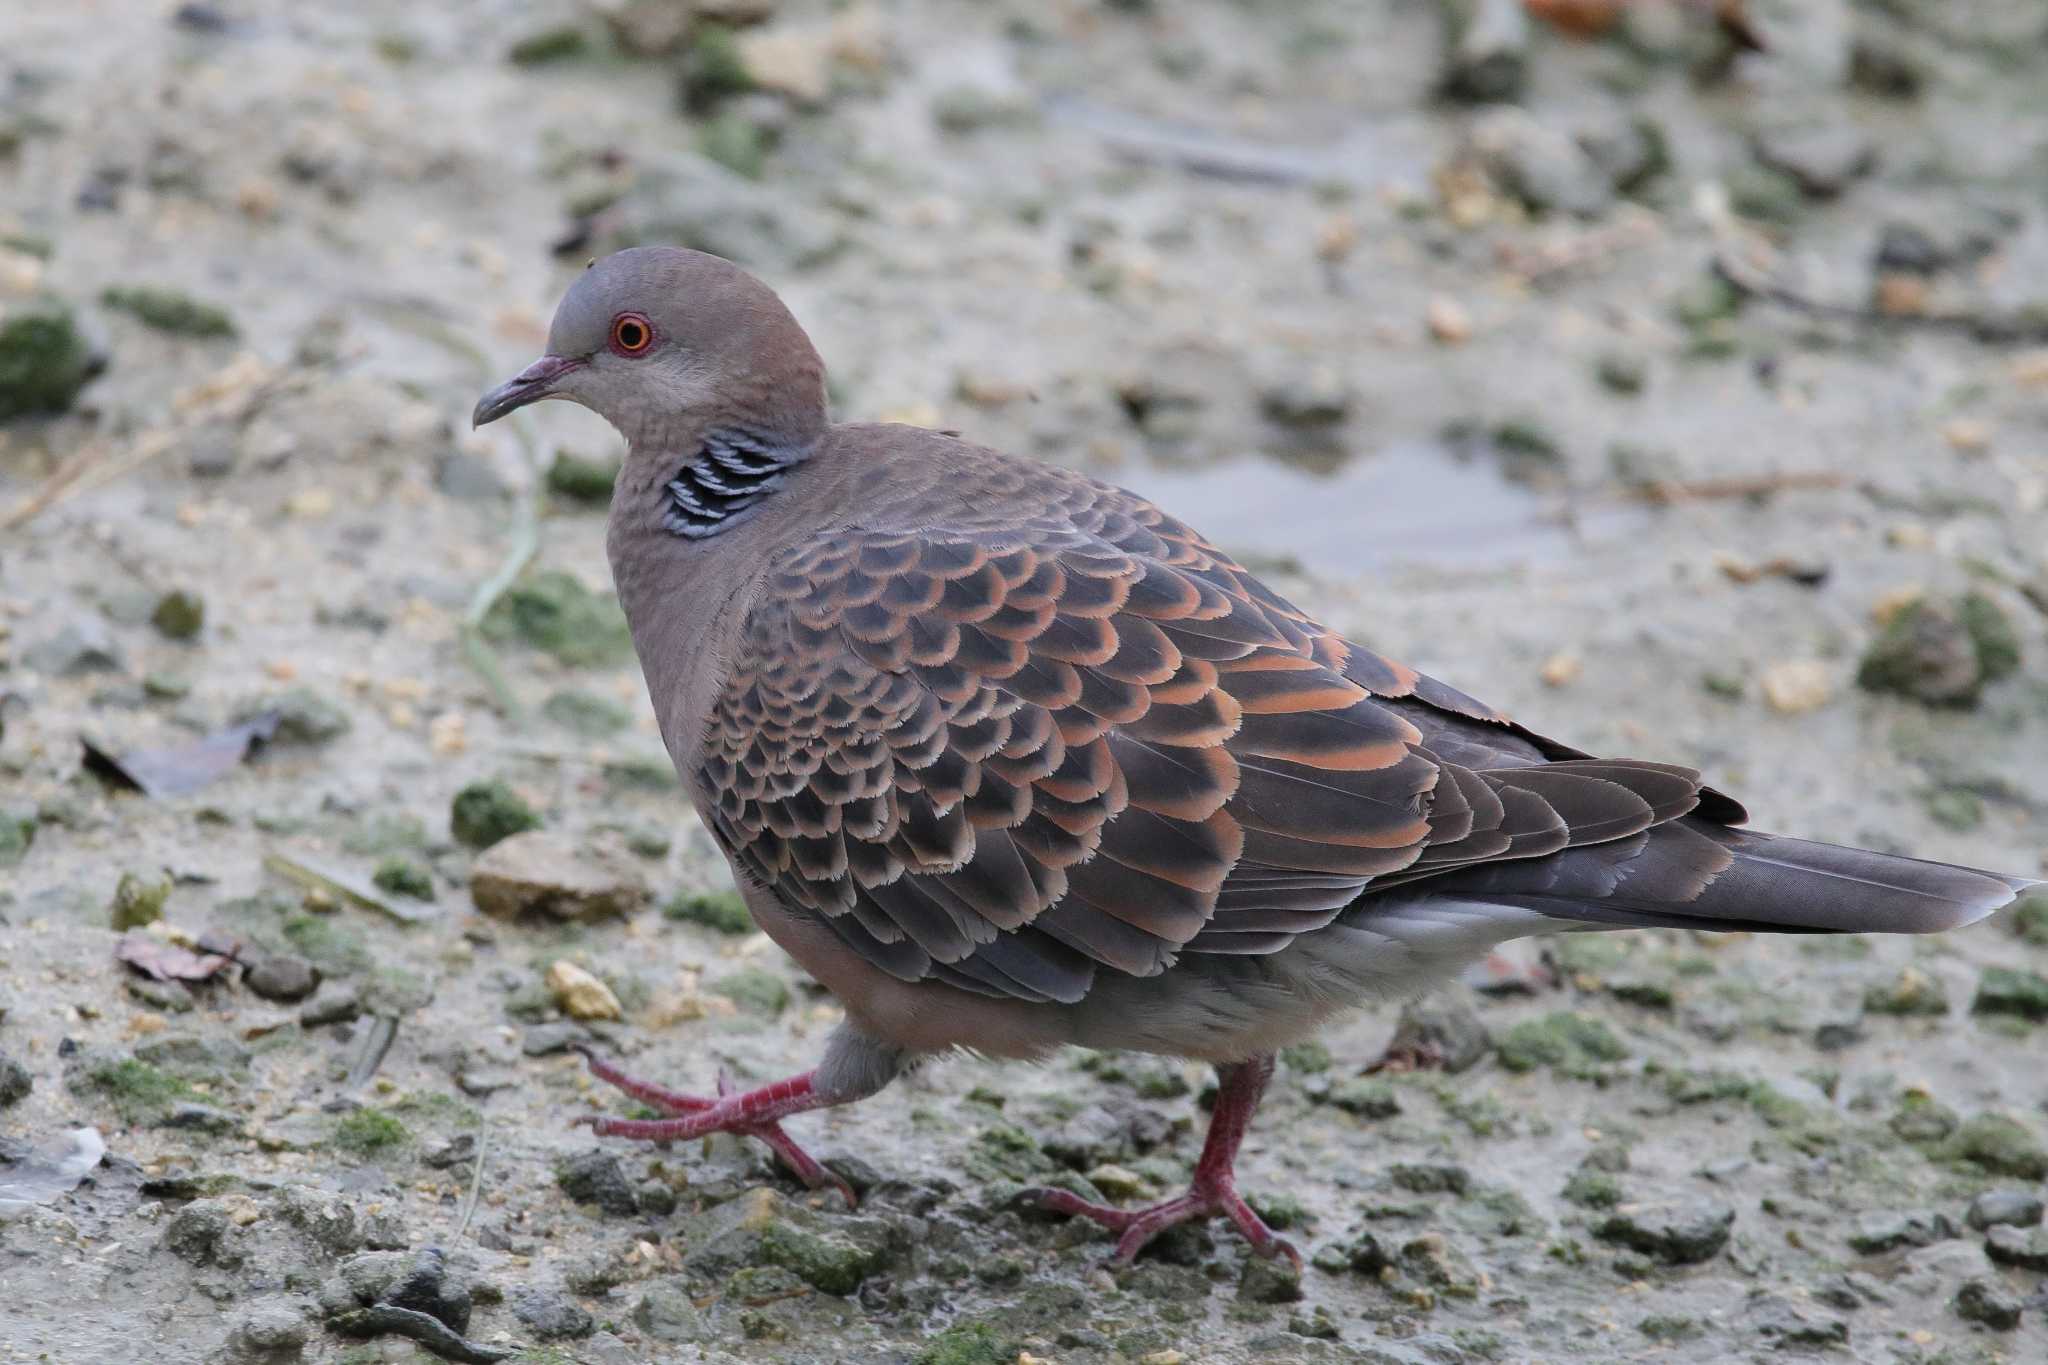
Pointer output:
1689, 401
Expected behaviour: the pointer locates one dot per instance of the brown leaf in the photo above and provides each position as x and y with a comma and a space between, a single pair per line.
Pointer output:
182, 768
167, 961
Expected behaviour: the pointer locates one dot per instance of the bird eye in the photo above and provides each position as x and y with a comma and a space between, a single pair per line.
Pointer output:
631, 334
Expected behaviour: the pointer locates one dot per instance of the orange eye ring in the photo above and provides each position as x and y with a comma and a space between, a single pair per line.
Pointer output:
632, 334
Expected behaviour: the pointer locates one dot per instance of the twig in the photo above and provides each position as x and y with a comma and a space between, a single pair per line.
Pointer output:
476, 1179
2023, 327
318, 878
1668, 491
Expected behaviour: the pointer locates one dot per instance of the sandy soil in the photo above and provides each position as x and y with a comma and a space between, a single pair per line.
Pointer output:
1460, 378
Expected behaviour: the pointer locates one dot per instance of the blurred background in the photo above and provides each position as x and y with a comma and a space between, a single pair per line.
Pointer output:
1673, 375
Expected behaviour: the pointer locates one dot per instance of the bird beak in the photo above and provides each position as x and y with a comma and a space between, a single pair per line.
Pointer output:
530, 385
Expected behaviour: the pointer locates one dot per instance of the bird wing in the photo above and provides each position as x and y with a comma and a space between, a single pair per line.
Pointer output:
1009, 753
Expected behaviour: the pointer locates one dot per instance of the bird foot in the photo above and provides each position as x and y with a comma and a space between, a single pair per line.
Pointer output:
1206, 1199
750, 1113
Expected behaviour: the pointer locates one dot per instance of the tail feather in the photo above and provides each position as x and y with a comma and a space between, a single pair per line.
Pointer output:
1695, 875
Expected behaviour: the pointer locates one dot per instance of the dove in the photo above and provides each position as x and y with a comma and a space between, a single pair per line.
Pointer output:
1011, 760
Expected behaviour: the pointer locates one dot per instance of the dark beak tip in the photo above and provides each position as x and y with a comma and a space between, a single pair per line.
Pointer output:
530, 385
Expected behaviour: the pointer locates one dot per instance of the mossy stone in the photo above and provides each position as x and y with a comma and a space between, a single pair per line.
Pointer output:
179, 615
1576, 1045
138, 901
367, 1132
2008, 991
168, 310
723, 911
404, 877
485, 812
44, 361
554, 613
582, 480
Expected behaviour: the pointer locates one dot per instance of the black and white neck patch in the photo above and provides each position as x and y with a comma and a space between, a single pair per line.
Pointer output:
725, 480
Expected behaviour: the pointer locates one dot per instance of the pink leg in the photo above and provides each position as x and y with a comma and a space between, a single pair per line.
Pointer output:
750, 1113
1214, 1190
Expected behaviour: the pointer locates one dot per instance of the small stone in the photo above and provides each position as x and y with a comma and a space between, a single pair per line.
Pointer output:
2015, 994
15, 1082
580, 994
1578, 1045
656, 1198
1987, 1301
1796, 686
1365, 1097
557, 43
1623, 372
2025, 1248
1683, 1232
82, 646
1430, 1177
1539, 166
400, 876
1117, 1182
283, 978
1785, 1326
45, 359
484, 813
723, 911
138, 901
552, 611
1911, 992
545, 1040
1318, 399
667, 1313
169, 311
1925, 652
1875, 1233
1967, 435
1824, 159
1448, 321
1269, 1279
552, 1315
1486, 53
1561, 669
303, 717
2005, 1208
536, 872
833, 1255
179, 615
597, 1178
1999, 1144
273, 1328
1432, 1259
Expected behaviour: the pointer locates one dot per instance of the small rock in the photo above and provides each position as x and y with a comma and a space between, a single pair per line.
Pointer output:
1318, 399
1911, 992
1999, 1144
1486, 53
1365, 1097
138, 901
833, 1255
1269, 1279
303, 716
1561, 669
198, 1118
44, 361
597, 1178
1683, 1232
580, 994
201, 1234
485, 813
551, 1314
1541, 167
1447, 320
1824, 159
1989, 1302
83, 645
2005, 1208
544, 1040
1875, 1233
552, 611
15, 1082
401, 876
667, 1313
179, 615
1443, 1028
1930, 652
535, 872
428, 1287
2016, 994
1432, 1259
1796, 686
656, 1198
2024, 1248
1785, 1326
282, 978
273, 1328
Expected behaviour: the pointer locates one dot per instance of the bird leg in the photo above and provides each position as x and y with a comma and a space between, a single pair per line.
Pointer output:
1214, 1190
854, 1067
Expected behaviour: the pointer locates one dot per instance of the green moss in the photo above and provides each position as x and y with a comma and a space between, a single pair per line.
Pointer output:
1280, 1211
483, 813
1575, 1045
1592, 1190
735, 142
367, 1132
138, 1090
44, 361
1999, 1145
1998, 644
2018, 994
1912, 992
713, 68
722, 911
558, 44
17, 833
1003, 1151
755, 991
1365, 1097
553, 612
971, 1343
167, 310
330, 944
404, 877
2029, 918
1308, 1058
179, 615
581, 480
138, 901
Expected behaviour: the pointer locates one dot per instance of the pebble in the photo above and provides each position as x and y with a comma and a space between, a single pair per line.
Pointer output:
1795, 686
16, 1081
537, 872
597, 1178
2004, 1208
580, 994
283, 978
1987, 1301
551, 1314
1448, 321
2025, 1248
1824, 159
1683, 1232
81, 646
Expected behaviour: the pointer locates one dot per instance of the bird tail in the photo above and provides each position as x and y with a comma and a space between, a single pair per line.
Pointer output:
1693, 874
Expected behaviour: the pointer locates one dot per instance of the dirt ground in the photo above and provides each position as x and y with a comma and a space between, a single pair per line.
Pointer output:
1691, 405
